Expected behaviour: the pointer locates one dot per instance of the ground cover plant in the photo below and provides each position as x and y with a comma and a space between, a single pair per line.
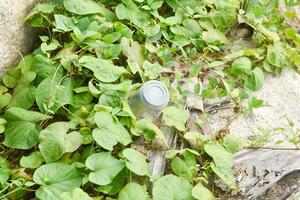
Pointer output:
67, 130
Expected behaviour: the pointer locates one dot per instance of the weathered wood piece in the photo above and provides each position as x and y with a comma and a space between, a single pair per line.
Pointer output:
259, 170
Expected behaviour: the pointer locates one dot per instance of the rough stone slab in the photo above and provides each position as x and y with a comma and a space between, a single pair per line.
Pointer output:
15, 38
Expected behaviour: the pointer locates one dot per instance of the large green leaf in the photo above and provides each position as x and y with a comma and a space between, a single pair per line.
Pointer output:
54, 179
233, 144
105, 168
21, 135
134, 52
133, 191
55, 141
171, 187
76, 194
152, 70
202, 193
21, 131
241, 65
150, 131
82, 7
255, 80
186, 167
34, 160
104, 70
177, 117
20, 114
23, 98
54, 92
131, 11
223, 162
136, 162
109, 131
63, 23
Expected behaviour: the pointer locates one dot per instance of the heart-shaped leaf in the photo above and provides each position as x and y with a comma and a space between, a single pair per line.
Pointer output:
105, 167
56, 178
54, 141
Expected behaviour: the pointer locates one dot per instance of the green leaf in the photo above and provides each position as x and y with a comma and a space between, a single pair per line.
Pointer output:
105, 168
255, 80
150, 130
21, 135
63, 23
152, 70
136, 162
23, 97
133, 191
233, 144
131, 12
116, 185
176, 117
56, 178
171, 187
5, 99
89, 32
21, 131
215, 37
82, 7
20, 114
4, 171
202, 193
76, 194
43, 67
223, 162
52, 93
134, 52
34, 160
187, 167
276, 55
180, 168
255, 103
241, 65
104, 70
54, 141
109, 131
